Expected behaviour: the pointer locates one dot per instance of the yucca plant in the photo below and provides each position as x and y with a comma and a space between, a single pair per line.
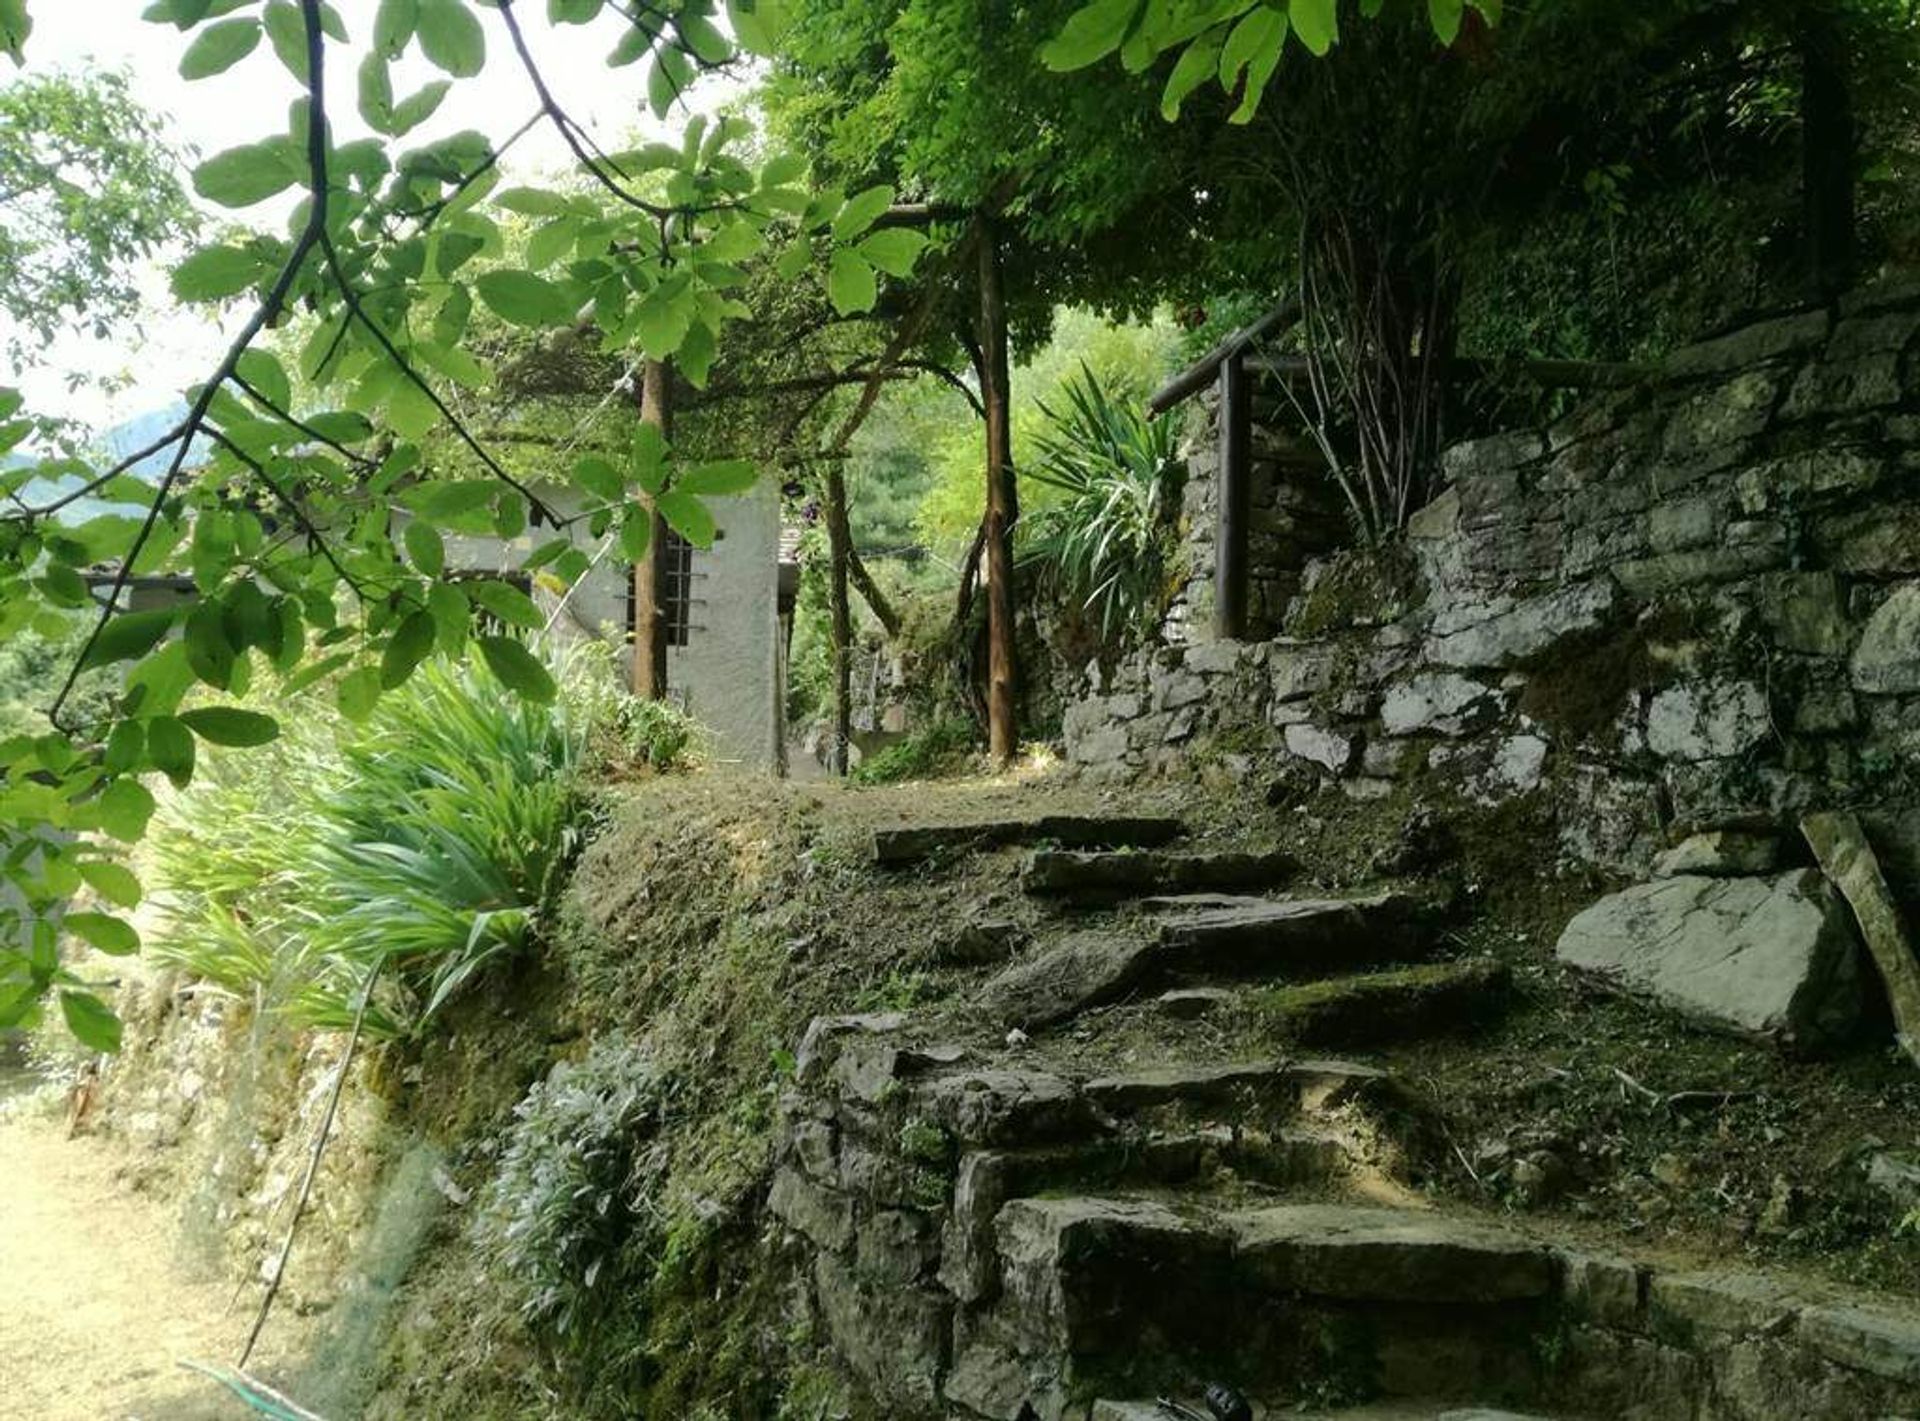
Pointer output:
1104, 543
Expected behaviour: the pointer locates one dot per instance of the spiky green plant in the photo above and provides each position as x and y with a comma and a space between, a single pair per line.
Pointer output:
423, 843
1104, 543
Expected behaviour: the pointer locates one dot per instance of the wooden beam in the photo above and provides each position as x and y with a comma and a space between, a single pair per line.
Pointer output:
1197, 376
1231, 492
1550, 374
649, 671
1002, 503
840, 612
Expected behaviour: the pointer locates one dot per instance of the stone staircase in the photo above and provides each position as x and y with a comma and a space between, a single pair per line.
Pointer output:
1015, 1211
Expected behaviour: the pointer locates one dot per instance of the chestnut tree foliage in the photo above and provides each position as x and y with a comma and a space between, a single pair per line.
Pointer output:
299, 493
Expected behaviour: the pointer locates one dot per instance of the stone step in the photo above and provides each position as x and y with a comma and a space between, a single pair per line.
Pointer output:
1283, 940
1358, 1254
1291, 1157
915, 843
1102, 1289
1293, 938
1084, 876
1364, 1010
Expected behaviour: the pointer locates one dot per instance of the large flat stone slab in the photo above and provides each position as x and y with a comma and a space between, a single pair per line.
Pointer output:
914, 843
1770, 958
1387, 1255
1106, 875
1399, 1005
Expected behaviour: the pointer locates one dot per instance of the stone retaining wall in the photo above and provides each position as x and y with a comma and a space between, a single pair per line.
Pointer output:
1694, 604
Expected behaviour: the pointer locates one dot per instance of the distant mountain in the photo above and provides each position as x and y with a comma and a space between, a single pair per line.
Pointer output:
113, 445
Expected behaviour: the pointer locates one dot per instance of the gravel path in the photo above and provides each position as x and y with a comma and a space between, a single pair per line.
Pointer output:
95, 1314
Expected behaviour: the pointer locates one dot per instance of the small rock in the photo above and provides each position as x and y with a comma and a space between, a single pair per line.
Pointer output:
1017, 1039
1897, 1177
1784, 1206
1672, 1171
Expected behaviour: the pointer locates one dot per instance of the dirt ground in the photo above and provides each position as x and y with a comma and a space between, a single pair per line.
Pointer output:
95, 1314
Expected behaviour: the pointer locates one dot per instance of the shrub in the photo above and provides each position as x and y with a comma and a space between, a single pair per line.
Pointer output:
1105, 543
561, 1222
941, 748
423, 844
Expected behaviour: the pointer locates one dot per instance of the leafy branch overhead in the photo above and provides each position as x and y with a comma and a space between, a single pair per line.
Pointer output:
1235, 43
307, 493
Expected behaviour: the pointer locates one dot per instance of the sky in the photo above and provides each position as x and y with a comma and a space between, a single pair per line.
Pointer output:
248, 102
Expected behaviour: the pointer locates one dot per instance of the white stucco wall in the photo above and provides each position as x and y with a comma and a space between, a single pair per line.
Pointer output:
727, 676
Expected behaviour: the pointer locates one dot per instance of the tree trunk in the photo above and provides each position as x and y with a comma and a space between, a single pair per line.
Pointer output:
1002, 505
649, 574
839, 547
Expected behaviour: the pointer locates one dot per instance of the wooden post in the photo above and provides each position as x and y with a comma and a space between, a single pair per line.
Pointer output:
839, 547
649, 675
1002, 502
1231, 495
1829, 150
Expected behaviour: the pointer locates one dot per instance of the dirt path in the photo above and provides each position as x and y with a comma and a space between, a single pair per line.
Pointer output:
94, 1312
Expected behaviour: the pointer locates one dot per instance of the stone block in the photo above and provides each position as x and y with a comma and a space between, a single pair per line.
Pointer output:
1752, 345
1878, 1341
1602, 1289
1709, 1307
1648, 577
897, 1247
1441, 702
1887, 659
1684, 523
1512, 632
1386, 1255
823, 1215
1804, 612
1707, 720
1332, 750
895, 1339
1773, 959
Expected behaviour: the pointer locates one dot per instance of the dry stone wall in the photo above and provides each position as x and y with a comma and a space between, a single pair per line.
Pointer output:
1692, 605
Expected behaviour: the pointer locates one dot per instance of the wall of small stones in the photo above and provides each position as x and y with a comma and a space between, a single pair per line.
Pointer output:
1688, 605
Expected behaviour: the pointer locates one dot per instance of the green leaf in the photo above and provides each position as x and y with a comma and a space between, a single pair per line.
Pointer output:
1262, 60
112, 881
506, 602
688, 517
451, 616
417, 108
170, 749
732, 476
425, 546
242, 176
91, 1021
393, 25
863, 209
214, 273
523, 299
1446, 16
209, 652
636, 533
124, 808
262, 370
358, 692
519, 670
451, 37
128, 637
109, 934
229, 725
1197, 63
599, 479
850, 283
1317, 22
409, 646
376, 92
662, 320
219, 47
1090, 33
893, 249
